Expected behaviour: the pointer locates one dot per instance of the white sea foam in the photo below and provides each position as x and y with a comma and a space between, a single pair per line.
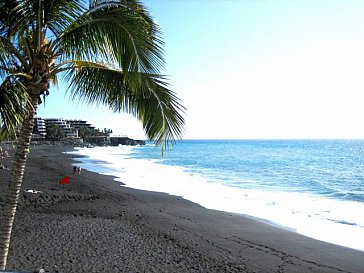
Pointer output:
336, 221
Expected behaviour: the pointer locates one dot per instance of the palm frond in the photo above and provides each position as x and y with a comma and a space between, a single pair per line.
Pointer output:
142, 95
5, 59
21, 17
6, 15
11, 56
160, 112
117, 33
14, 102
18, 17
60, 14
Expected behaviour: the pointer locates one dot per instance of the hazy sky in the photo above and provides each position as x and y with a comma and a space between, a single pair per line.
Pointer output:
254, 69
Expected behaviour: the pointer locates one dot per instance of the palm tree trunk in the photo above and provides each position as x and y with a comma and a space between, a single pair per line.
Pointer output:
14, 187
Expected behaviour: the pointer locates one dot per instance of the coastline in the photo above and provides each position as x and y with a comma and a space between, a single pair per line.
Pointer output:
95, 225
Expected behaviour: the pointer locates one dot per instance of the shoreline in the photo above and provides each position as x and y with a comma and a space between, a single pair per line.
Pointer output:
95, 225
309, 213
78, 158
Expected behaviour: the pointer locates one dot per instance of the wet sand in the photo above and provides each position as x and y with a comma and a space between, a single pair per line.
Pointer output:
95, 225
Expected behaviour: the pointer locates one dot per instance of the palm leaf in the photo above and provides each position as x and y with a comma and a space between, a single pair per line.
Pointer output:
115, 33
7, 16
17, 18
160, 112
14, 102
60, 14
142, 95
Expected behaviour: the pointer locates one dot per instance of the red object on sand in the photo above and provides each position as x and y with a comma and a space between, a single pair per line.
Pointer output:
65, 180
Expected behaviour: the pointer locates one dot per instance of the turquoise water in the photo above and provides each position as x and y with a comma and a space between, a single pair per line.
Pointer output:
315, 187
328, 168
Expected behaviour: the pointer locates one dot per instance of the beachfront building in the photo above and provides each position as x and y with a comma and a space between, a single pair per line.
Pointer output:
69, 127
44, 128
61, 123
39, 131
78, 123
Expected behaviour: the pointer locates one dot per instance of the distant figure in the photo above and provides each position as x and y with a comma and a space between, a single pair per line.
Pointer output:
77, 170
2, 167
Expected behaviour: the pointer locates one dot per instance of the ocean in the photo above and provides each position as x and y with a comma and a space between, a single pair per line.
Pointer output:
313, 187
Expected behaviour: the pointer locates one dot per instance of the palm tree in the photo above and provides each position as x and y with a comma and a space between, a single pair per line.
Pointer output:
109, 51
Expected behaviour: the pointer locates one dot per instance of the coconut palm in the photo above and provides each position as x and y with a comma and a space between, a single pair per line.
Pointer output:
109, 51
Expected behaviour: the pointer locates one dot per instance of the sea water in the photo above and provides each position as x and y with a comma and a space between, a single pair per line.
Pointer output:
314, 187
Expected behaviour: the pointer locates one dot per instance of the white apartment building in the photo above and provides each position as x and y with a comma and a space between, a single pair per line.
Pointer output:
39, 131
69, 126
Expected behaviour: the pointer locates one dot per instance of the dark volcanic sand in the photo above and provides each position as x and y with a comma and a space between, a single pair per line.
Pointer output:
94, 225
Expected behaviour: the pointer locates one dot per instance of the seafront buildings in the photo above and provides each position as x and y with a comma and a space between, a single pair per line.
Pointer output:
69, 127
79, 131
40, 130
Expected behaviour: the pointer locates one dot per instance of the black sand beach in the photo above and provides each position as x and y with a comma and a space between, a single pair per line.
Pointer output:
95, 225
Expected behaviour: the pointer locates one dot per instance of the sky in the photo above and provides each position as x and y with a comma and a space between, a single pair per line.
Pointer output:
253, 69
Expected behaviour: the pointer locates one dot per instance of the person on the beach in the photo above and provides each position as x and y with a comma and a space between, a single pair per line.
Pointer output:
77, 170
2, 167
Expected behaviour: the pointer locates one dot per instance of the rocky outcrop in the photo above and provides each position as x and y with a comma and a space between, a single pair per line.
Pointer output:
116, 141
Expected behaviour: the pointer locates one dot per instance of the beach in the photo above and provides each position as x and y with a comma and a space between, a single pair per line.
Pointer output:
94, 224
